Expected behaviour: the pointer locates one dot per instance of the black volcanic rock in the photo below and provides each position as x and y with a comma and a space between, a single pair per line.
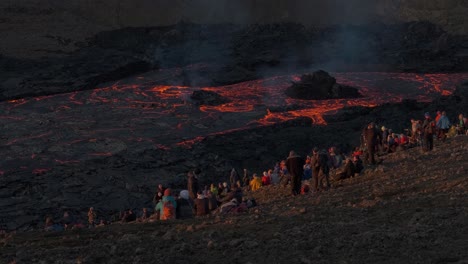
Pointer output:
233, 74
319, 86
202, 97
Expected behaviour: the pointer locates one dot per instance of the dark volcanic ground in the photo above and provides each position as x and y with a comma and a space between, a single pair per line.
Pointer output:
410, 209
103, 125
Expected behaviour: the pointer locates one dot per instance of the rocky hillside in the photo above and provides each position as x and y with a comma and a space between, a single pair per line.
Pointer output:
410, 209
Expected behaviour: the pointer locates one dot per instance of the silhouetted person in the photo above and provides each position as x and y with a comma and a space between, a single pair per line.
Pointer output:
295, 166
428, 130
234, 178
201, 205
370, 140
192, 185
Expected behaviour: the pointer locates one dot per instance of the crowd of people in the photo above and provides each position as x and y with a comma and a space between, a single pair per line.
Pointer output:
314, 173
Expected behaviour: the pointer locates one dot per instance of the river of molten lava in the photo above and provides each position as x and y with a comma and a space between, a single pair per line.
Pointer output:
137, 114
377, 88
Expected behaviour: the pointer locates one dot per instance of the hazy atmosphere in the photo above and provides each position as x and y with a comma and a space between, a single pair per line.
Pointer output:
233, 131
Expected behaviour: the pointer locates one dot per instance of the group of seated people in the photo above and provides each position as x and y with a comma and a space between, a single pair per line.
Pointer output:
220, 199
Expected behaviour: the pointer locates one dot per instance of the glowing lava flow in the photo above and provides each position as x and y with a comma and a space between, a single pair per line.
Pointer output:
136, 114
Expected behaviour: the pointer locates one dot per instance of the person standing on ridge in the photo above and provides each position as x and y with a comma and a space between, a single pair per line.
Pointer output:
428, 130
370, 140
192, 185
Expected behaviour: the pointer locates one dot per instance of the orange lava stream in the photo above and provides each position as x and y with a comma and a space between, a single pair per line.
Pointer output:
139, 104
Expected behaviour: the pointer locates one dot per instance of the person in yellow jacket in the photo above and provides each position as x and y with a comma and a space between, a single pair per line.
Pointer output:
255, 183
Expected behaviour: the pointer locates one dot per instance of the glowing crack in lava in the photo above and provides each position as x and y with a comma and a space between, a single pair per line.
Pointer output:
137, 114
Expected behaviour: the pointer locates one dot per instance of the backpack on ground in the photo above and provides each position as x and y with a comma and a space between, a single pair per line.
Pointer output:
168, 211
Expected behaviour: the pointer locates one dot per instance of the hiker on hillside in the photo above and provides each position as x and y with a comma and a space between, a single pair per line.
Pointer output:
443, 125
91, 217
201, 206
192, 185
284, 175
416, 132
393, 142
295, 166
235, 193
157, 197
160, 188
128, 216
358, 151
370, 142
358, 166
245, 179
324, 170
436, 119
226, 188
229, 206
67, 220
50, 225
255, 183
462, 125
220, 190
266, 179
214, 189
307, 169
275, 175
403, 141
428, 130
212, 201
145, 215
383, 138
335, 159
184, 205
347, 171
167, 206
234, 178
315, 165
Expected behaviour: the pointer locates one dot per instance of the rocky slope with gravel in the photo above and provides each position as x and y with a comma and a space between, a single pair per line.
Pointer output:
412, 208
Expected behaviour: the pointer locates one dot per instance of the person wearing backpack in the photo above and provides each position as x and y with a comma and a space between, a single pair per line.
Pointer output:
443, 125
428, 130
167, 206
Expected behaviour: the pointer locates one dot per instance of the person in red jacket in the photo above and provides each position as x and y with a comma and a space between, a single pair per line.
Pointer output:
266, 179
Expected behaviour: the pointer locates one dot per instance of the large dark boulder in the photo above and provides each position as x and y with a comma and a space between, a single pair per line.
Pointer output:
319, 86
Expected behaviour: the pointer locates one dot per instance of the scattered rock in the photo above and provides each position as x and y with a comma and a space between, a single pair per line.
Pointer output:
235, 242
319, 86
211, 244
